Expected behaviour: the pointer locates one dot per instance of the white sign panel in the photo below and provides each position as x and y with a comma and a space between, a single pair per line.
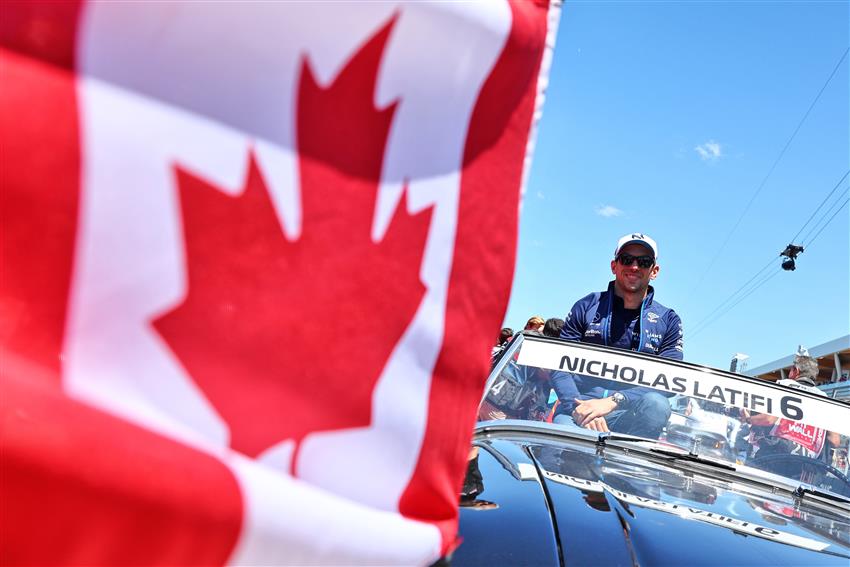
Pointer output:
702, 383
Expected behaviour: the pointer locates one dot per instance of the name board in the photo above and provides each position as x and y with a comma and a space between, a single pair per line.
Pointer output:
700, 383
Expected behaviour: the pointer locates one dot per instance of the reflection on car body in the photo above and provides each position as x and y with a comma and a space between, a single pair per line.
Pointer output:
687, 497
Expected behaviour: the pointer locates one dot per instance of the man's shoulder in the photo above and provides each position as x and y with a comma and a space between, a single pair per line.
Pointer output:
587, 301
579, 316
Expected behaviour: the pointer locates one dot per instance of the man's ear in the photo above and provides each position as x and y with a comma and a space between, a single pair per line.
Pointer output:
613, 264
654, 273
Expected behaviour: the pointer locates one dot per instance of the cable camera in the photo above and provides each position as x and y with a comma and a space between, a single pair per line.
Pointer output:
790, 253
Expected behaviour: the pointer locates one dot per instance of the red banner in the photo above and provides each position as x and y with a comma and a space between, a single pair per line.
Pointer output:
808, 437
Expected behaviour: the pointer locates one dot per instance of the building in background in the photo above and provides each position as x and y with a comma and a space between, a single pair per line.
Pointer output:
833, 362
739, 363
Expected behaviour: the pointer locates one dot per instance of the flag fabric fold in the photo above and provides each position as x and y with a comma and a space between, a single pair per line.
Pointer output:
254, 257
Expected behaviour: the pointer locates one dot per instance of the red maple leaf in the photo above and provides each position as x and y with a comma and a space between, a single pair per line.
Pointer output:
287, 338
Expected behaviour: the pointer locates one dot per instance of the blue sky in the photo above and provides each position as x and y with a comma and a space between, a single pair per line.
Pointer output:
665, 118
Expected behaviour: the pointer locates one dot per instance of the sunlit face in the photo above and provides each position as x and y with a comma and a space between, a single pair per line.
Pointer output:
633, 279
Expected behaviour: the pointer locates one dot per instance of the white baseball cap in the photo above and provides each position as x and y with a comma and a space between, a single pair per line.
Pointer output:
637, 238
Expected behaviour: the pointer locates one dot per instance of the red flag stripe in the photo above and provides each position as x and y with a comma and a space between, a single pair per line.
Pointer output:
45, 30
74, 496
37, 110
479, 291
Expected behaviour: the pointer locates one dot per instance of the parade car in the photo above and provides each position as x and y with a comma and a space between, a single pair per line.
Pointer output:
710, 490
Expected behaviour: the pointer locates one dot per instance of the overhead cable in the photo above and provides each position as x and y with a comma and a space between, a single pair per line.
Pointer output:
734, 295
763, 281
770, 171
844, 204
747, 289
840, 181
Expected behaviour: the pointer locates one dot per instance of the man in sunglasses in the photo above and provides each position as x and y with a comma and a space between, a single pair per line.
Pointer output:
626, 315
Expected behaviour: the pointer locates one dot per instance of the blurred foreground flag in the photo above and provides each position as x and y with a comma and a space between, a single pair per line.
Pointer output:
254, 256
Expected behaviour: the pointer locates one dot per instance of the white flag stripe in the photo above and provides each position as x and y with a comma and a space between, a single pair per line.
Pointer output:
289, 522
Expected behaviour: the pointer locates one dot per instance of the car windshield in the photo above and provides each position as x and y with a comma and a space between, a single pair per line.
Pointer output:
788, 429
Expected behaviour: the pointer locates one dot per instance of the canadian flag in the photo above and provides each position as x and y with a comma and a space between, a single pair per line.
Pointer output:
254, 256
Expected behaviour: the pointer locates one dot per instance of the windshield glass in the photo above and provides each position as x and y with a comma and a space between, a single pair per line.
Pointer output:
788, 429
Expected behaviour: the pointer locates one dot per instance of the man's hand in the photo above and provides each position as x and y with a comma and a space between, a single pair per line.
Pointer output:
598, 424
589, 410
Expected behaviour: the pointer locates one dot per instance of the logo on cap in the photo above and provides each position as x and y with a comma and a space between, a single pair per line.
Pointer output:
637, 238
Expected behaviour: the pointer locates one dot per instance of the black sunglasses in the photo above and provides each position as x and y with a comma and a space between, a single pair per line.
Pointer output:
642, 261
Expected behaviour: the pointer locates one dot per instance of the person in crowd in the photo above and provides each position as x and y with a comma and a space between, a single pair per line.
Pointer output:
552, 327
473, 485
504, 337
519, 392
626, 315
534, 324
772, 435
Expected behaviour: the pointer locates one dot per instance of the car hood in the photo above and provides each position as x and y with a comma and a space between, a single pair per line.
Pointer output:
622, 507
